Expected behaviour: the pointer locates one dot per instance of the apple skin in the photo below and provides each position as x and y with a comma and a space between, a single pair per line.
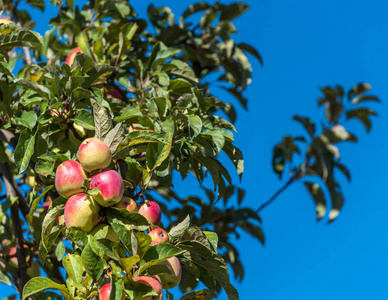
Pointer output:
154, 243
105, 292
82, 211
110, 235
94, 154
70, 58
5, 20
127, 203
111, 185
69, 178
171, 280
13, 262
154, 283
159, 235
151, 211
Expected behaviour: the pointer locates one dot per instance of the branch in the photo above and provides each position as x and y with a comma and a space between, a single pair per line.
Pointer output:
70, 125
291, 180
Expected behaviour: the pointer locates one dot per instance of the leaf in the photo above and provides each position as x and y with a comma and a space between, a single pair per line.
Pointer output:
73, 265
28, 119
359, 99
36, 201
195, 124
236, 156
199, 295
157, 254
142, 137
60, 250
318, 197
129, 262
38, 284
217, 138
177, 230
194, 8
116, 291
24, 150
48, 224
95, 73
337, 200
251, 50
92, 261
114, 137
102, 121
160, 52
359, 89
128, 113
232, 11
307, 123
363, 115
20, 38
45, 168
213, 239
84, 118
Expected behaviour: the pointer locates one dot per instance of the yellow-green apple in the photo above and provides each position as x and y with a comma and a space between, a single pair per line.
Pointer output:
171, 279
110, 234
94, 154
33, 270
105, 292
154, 283
159, 235
81, 132
82, 211
70, 58
69, 178
111, 187
151, 211
128, 204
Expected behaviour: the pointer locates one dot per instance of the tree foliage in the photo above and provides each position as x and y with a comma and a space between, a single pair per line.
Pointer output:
142, 86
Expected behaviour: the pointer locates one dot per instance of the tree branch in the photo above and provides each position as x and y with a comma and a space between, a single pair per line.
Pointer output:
270, 200
70, 125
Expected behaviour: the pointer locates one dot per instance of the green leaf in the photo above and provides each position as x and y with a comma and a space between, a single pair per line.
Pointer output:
38, 284
318, 197
48, 224
195, 124
5, 279
28, 119
363, 115
359, 99
6, 205
20, 38
232, 11
194, 8
128, 113
45, 168
236, 156
84, 118
251, 50
95, 74
359, 89
160, 52
177, 230
102, 121
213, 239
73, 265
60, 250
36, 201
24, 150
199, 295
307, 123
92, 260
217, 138
157, 254
129, 262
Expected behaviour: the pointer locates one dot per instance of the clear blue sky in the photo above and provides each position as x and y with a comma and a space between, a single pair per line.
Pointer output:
307, 45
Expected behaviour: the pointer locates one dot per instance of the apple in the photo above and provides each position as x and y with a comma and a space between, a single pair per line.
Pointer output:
70, 58
172, 279
46, 205
110, 234
33, 270
154, 283
105, 292
154, 243
94, 154
69, 178
61, 220
82, 211
151, 211
111, 186
13, 262
128, 204
159, 235
4, 20
115, 93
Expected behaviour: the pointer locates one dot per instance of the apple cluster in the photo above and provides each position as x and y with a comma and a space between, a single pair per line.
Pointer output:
83, 207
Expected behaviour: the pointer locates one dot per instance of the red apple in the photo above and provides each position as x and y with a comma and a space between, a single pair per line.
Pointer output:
111, 185
105, 292
69, 178
154, 283
154, 243
13, 262
171, 279
151, 211
159, 235
128, 204
82, 211
94, 154
70, 58
115, 93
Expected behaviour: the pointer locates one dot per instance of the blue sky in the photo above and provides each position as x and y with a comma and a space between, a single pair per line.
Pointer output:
307, 45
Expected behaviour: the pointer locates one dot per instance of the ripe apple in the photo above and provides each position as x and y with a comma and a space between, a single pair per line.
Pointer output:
94, 154
154, 283
110, 234
82, 211
105, 292
69, 178
111, 185
33, 270
154, 243
70, 58
13, 262
61, 220
151, 211
159, 235
128, 204
172, 279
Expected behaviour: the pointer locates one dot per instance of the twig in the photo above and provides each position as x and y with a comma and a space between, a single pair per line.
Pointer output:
291, 180
70, 125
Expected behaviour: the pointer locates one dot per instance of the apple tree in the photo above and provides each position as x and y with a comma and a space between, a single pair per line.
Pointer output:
98, 114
